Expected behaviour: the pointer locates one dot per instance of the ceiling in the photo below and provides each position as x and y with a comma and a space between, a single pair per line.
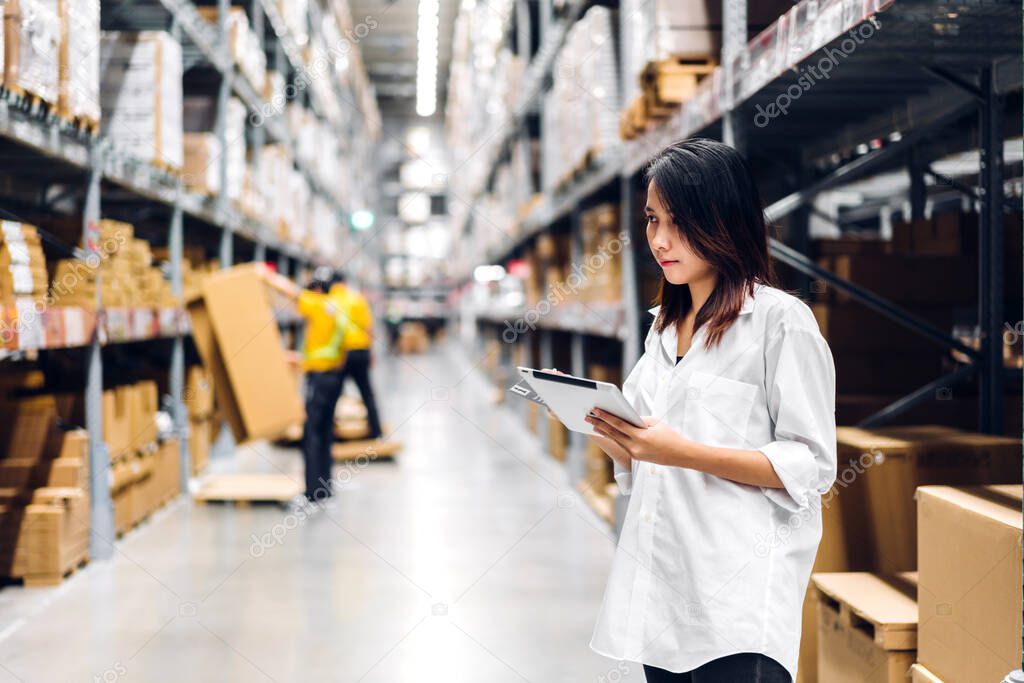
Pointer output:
389, 51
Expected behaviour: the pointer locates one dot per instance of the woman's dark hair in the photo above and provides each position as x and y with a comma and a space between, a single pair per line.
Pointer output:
709, 191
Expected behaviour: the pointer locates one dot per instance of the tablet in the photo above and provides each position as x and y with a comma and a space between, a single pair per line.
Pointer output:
572, 398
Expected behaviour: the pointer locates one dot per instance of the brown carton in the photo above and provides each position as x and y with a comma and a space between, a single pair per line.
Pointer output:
892, 462
969, 595
237, 336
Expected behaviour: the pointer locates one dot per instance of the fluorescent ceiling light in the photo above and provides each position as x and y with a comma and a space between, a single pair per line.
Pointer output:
426, 57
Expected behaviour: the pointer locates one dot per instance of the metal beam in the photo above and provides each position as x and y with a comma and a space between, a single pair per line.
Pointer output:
176, 244
957, 80
897, 408
990, 251
862, 166
796, 260
101, 508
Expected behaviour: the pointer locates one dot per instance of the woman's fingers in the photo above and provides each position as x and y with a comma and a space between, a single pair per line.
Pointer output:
604, 428
617, 423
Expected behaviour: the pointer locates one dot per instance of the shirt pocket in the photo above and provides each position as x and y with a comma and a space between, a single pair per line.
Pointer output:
717, 410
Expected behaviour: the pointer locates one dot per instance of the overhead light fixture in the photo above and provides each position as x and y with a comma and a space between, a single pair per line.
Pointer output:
362, 219
426, 56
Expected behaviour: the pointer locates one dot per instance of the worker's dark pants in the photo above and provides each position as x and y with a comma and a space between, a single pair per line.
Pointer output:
322, 392
357, 366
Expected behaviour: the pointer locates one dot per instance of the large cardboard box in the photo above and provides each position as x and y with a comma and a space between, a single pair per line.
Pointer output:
199, 440
198, 392
143, 405
894, 461
31, 47
867, 627
237, 336
79, 62
909, 280
141, 95
117, 420
969, 594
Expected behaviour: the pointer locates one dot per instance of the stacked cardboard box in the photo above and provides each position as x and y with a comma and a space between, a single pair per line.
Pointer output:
44, 509
203, 149
126, 275
585, 87
32, 47
869, 516
235, 333
550, 266
141, 95
969, 583
602, 263
413, 338
199, 403
79, 68
599, 473
143, 482
243, 44
22, 263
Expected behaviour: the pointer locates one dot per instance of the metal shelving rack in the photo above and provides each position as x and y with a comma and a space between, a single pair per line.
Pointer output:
924, 69
65, 153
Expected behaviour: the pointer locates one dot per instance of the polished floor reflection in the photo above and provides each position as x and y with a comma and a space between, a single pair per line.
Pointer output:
468, 559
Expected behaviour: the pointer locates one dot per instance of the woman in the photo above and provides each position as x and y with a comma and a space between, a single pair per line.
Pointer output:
726, 480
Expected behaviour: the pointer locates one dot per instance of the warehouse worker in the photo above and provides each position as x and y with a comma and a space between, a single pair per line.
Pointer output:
323, 356
357, 342
726, 478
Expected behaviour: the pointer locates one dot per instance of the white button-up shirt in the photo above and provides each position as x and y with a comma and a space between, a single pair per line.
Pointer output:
706, 567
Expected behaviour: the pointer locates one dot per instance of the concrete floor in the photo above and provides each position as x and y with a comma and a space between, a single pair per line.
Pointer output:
468, 559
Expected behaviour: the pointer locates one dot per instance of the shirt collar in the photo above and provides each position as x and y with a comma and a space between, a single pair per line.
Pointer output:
668, 337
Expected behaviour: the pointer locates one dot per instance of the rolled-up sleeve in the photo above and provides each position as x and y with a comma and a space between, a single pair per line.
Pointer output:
630, 390
800, 386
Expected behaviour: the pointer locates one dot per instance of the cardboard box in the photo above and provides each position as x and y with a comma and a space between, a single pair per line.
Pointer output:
867, 627
198, 397
31, 47
79, 60
117, 420
27, 475
141, 95
144, 403
237, 336
28, 427
969, 596
558, 438
856, 328
199, 439
894, 461
908, 280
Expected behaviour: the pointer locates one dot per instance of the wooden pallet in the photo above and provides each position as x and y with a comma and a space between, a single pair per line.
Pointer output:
45, 580
245, 489
371, 449
85, 125
28, 101
889, 622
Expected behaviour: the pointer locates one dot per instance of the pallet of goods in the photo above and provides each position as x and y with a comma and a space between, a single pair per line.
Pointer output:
78, 99
869, 517
23, 275
141, 96
44, 505
31, 52
243, 44
203, 149
867, 626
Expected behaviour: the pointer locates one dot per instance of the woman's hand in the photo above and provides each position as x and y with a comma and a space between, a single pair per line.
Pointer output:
614, 451
657, 443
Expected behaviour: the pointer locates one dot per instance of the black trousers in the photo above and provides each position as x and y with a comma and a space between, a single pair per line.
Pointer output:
748, 667
322, 392
357, 366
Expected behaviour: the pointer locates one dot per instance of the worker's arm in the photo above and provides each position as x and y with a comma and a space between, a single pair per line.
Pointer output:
280, 283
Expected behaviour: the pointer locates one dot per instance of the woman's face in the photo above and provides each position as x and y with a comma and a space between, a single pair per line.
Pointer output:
680, 264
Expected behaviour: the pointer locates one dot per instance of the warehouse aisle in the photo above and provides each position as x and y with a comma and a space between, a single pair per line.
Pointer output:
467, 560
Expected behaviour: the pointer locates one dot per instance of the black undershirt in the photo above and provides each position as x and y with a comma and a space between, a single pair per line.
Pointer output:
678, 358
